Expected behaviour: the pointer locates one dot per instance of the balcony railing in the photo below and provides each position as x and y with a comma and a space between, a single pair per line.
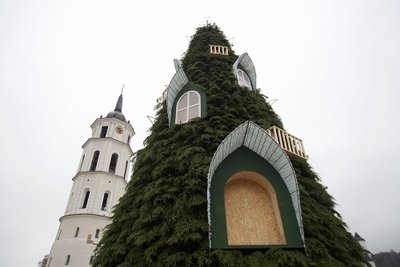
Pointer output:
290, 143
219, 50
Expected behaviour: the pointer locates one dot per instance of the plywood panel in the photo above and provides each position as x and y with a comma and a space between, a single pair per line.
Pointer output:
252, 217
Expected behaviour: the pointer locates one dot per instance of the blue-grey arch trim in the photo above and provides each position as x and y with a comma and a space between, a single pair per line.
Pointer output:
178, 64
245, 63
175, 86
254, 137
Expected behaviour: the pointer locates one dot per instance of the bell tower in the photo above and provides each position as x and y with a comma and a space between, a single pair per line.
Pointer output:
100, 181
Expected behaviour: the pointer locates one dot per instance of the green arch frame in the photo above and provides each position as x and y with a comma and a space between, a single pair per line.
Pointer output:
253, 162
190, 87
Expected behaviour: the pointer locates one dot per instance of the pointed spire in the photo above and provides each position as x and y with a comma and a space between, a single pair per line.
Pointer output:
117, 113
118, 106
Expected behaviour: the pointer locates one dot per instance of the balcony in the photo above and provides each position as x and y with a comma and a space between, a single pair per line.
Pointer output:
290, 143
219, 50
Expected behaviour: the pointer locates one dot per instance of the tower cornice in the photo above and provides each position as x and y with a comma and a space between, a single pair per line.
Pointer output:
98, 172
113, 120
84, 215
107, 139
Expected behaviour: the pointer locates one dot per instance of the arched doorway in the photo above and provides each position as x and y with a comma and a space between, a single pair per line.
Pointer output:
252, 211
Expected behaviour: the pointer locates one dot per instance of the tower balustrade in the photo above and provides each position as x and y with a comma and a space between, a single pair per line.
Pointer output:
290, 143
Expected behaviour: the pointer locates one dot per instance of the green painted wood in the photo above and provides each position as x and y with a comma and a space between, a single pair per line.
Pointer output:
235, 163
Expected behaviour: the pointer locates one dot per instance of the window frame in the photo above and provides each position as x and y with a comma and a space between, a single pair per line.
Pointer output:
103, 131
188, 107
240, 74
106, 198
97, 234
95, 161
112, 167
85, 199
76, 232
68, 259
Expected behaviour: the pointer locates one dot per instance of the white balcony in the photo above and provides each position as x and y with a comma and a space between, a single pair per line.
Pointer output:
219, 50
290, 143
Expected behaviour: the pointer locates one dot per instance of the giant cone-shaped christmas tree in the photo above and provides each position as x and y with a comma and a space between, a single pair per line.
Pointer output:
212, 188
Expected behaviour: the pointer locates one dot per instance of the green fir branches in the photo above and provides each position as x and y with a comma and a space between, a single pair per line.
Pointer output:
162, 218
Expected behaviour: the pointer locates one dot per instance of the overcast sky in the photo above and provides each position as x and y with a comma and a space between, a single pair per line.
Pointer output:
333, 66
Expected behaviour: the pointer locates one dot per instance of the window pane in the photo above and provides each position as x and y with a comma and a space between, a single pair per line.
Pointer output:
104, 203
243, 79
103, 131
246, 78
181, 116
193, 99
183, 102
194, 112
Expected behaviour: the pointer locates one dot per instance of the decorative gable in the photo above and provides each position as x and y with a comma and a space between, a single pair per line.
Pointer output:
268, 177
175, 86
244, 63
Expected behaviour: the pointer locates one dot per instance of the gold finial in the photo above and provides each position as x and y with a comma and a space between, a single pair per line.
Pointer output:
122, 89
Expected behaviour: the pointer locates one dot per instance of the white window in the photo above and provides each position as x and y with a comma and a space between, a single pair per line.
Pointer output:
97, 235
104, 203
243, 79
188, 107
68, 258
113, 163
86, 192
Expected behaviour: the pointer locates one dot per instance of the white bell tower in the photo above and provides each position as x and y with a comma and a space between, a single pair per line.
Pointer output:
97, 186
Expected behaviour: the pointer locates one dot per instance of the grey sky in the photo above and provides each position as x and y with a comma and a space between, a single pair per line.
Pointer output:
333, 66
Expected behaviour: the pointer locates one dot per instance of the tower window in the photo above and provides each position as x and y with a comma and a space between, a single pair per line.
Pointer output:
94, 161
243, 79
97, 233
59, 233
76, 232
113, 163
67, 260
129, 138
188, 107
85, 201
104, 203
126, 168
91, 260
103, 131
80, 165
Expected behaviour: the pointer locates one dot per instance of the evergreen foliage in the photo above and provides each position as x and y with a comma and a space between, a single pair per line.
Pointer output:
162, 218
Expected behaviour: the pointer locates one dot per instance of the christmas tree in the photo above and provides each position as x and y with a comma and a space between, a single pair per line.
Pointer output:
175, 211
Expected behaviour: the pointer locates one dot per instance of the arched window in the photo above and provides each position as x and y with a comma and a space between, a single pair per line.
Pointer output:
188, 107
86, 199
80, 165
69, 202
103, 132
97, 235
76, 232
113, 163
95, 159
126, 169
59, 234
243, 79
105, 201
68, 258
251, 202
